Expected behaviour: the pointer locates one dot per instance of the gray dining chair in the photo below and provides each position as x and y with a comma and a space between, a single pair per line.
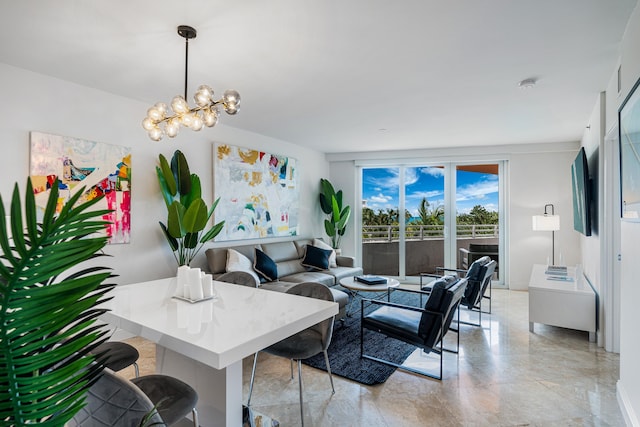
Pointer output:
115, 401
304, 344
118, 355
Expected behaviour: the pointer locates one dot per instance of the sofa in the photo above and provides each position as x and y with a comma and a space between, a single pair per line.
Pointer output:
288, 257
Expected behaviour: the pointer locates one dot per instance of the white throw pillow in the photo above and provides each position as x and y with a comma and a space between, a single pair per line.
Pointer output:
238, 262
322, 245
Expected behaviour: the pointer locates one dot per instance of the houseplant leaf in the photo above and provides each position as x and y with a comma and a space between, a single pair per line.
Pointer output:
174, 220
187, 213
195, 217
167, 174
47, 315
180, 169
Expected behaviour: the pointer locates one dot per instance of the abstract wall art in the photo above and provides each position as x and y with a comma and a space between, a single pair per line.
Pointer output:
99, 168
258, 191
629, 128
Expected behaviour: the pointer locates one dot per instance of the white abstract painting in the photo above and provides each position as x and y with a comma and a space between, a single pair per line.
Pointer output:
258, 193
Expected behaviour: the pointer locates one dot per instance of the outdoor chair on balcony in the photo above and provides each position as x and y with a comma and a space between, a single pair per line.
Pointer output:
423, 327
479, 276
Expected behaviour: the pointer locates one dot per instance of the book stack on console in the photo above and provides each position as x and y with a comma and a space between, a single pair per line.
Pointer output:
556, 270
369, 279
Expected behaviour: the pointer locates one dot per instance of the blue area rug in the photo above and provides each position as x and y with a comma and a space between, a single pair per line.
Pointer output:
344, 351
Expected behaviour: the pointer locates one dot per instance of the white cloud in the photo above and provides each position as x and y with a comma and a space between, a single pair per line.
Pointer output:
432, 171
380, 198
478, 191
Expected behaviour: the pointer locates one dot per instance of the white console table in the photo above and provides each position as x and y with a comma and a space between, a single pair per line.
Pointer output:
568, 304
204, 343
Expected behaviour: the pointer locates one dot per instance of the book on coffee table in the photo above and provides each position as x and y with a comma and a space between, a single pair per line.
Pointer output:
369, 279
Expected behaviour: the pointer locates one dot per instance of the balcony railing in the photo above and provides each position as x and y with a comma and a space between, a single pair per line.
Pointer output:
391, 233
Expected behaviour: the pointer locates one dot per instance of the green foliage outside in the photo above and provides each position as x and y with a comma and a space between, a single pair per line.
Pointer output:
428, 215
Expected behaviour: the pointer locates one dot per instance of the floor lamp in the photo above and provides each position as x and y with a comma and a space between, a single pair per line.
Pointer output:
548, 222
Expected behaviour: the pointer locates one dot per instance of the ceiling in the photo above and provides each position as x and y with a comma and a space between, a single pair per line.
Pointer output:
341, 75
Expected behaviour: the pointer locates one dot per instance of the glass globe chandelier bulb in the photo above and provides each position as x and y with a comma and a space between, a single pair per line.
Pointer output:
155, 134
148, 124
203, 95
231, 97
172, 127
162, 108
154, 114
210, 117
186, 120
231, 109
197, 124
179, 105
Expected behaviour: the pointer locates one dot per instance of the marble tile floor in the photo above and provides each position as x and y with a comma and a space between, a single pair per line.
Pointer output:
504, 376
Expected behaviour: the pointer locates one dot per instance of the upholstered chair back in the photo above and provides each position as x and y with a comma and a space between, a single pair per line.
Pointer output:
443, 301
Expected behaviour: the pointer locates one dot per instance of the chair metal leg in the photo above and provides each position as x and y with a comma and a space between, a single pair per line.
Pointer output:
301, 400
291, 366
253, 376
136, 369
194, 414
326, 361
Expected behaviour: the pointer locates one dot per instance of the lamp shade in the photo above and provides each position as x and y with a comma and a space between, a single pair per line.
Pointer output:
546, 222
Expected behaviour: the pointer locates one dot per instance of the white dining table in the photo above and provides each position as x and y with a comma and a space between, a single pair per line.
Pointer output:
204, 343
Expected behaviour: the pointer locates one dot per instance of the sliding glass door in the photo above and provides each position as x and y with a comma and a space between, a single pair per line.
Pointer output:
417, 218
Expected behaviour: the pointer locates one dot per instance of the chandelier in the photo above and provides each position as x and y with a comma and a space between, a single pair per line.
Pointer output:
161, 120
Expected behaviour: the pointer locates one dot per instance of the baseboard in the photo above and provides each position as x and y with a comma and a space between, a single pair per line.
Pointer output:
626, 408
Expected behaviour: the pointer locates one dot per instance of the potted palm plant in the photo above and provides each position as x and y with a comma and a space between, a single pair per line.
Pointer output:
49, 301
338, 215
187, 213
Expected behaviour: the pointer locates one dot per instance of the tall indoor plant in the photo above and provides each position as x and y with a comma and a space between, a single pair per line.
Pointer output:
337, 215
47, 312
187, 213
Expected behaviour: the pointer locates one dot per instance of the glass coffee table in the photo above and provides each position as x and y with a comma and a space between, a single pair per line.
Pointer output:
354, 287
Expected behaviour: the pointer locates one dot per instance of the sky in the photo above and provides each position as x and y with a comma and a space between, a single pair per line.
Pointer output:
380, 188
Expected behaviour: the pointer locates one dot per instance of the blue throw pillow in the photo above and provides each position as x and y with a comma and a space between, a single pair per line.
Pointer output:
265, 266
316, 258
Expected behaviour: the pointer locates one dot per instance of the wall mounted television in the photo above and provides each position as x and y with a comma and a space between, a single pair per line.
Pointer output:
581, 185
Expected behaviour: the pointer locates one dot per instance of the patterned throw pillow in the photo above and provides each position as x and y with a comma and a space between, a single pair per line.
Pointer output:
265, 266
316, 258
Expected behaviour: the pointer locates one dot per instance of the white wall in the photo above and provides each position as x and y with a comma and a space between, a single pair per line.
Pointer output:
538, 178
592, 140
538, 174
33, 102
629, 384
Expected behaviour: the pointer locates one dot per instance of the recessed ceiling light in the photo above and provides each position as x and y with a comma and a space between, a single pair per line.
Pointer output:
527, 83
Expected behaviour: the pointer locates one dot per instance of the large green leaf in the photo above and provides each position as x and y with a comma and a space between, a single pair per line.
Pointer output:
168, 181
194, 194
213, 232
173, 242
47, 315
326, 194
180, 169
174, 220
195, 218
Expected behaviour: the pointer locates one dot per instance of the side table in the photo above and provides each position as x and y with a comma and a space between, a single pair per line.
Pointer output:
567, 303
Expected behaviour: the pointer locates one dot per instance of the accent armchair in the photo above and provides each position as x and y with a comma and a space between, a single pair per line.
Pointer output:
479, 276
423, 327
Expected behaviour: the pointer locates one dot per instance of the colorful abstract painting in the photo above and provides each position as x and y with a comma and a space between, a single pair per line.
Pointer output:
99, 168
258, 193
